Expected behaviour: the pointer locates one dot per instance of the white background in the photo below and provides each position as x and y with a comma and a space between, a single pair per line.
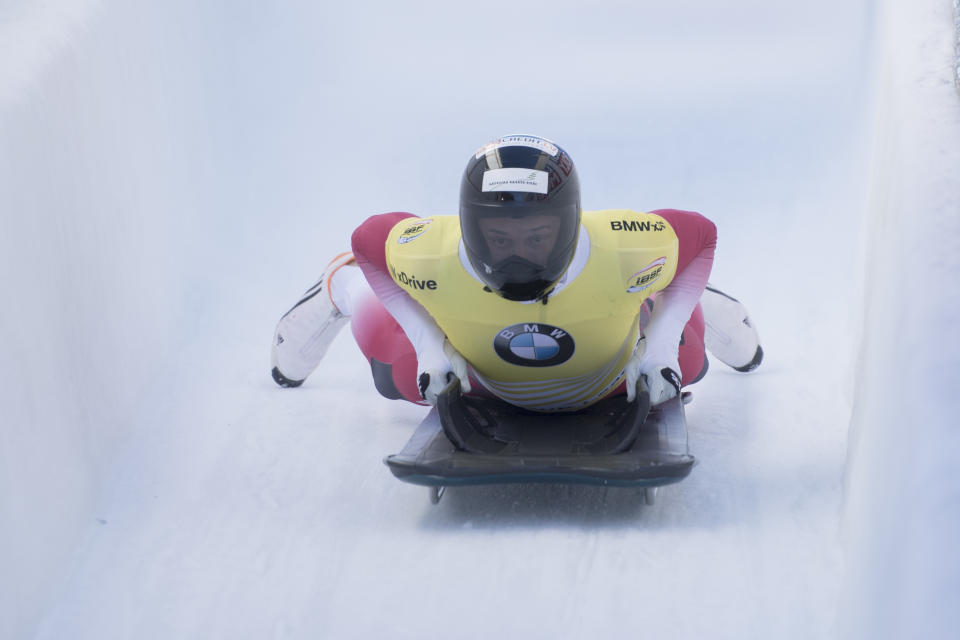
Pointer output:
173, 176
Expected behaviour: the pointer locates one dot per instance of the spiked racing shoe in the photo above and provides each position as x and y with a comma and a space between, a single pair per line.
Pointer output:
306, 331
730, 335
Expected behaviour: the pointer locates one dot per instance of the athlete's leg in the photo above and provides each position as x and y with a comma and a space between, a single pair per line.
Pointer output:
731, 336
692, 356
304, 333
393, 361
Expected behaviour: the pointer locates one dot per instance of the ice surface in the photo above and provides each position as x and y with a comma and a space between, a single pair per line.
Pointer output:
174, 174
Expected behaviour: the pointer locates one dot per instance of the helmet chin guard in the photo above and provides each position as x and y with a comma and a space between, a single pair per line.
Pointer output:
520, 215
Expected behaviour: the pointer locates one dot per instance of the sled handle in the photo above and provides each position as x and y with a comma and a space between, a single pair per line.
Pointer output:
628, 424
461, 427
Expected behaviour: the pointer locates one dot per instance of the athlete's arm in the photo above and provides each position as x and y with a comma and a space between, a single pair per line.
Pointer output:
674, 304
697, 242
419, 326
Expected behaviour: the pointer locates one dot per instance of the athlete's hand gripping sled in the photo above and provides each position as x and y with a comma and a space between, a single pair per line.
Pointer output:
467, 440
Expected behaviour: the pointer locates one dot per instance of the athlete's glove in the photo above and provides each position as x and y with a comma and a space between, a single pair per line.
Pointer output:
435, 371
662, 379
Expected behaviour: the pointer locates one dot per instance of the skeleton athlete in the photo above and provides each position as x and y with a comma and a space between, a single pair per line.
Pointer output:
523, 296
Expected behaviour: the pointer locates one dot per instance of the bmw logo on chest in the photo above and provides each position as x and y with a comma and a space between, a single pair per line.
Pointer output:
534, 345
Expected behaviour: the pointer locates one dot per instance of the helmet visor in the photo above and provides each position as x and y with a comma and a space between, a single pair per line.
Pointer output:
531, 238
521, 256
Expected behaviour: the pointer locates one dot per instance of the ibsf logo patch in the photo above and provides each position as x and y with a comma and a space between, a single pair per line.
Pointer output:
644, 278
414, 231
534, 345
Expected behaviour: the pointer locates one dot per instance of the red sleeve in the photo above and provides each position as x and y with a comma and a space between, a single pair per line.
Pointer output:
369, 240
370, 249
697, 234
677, 301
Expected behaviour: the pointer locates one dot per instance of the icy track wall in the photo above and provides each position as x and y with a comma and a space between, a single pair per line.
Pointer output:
956, 18
92, 254
902, 519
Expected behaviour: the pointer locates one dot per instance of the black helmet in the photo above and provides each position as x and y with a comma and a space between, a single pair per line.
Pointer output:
520, 215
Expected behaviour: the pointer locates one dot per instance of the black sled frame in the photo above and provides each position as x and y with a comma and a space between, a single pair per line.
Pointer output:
467, 440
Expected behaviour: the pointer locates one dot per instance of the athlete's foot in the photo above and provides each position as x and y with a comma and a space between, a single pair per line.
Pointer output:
730, 335
306, 331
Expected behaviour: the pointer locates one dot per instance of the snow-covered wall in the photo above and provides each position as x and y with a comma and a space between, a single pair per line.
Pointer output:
956, 17
94, 238
130, 192
902, 520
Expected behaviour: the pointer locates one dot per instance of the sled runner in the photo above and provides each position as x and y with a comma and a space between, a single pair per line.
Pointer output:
466, 440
